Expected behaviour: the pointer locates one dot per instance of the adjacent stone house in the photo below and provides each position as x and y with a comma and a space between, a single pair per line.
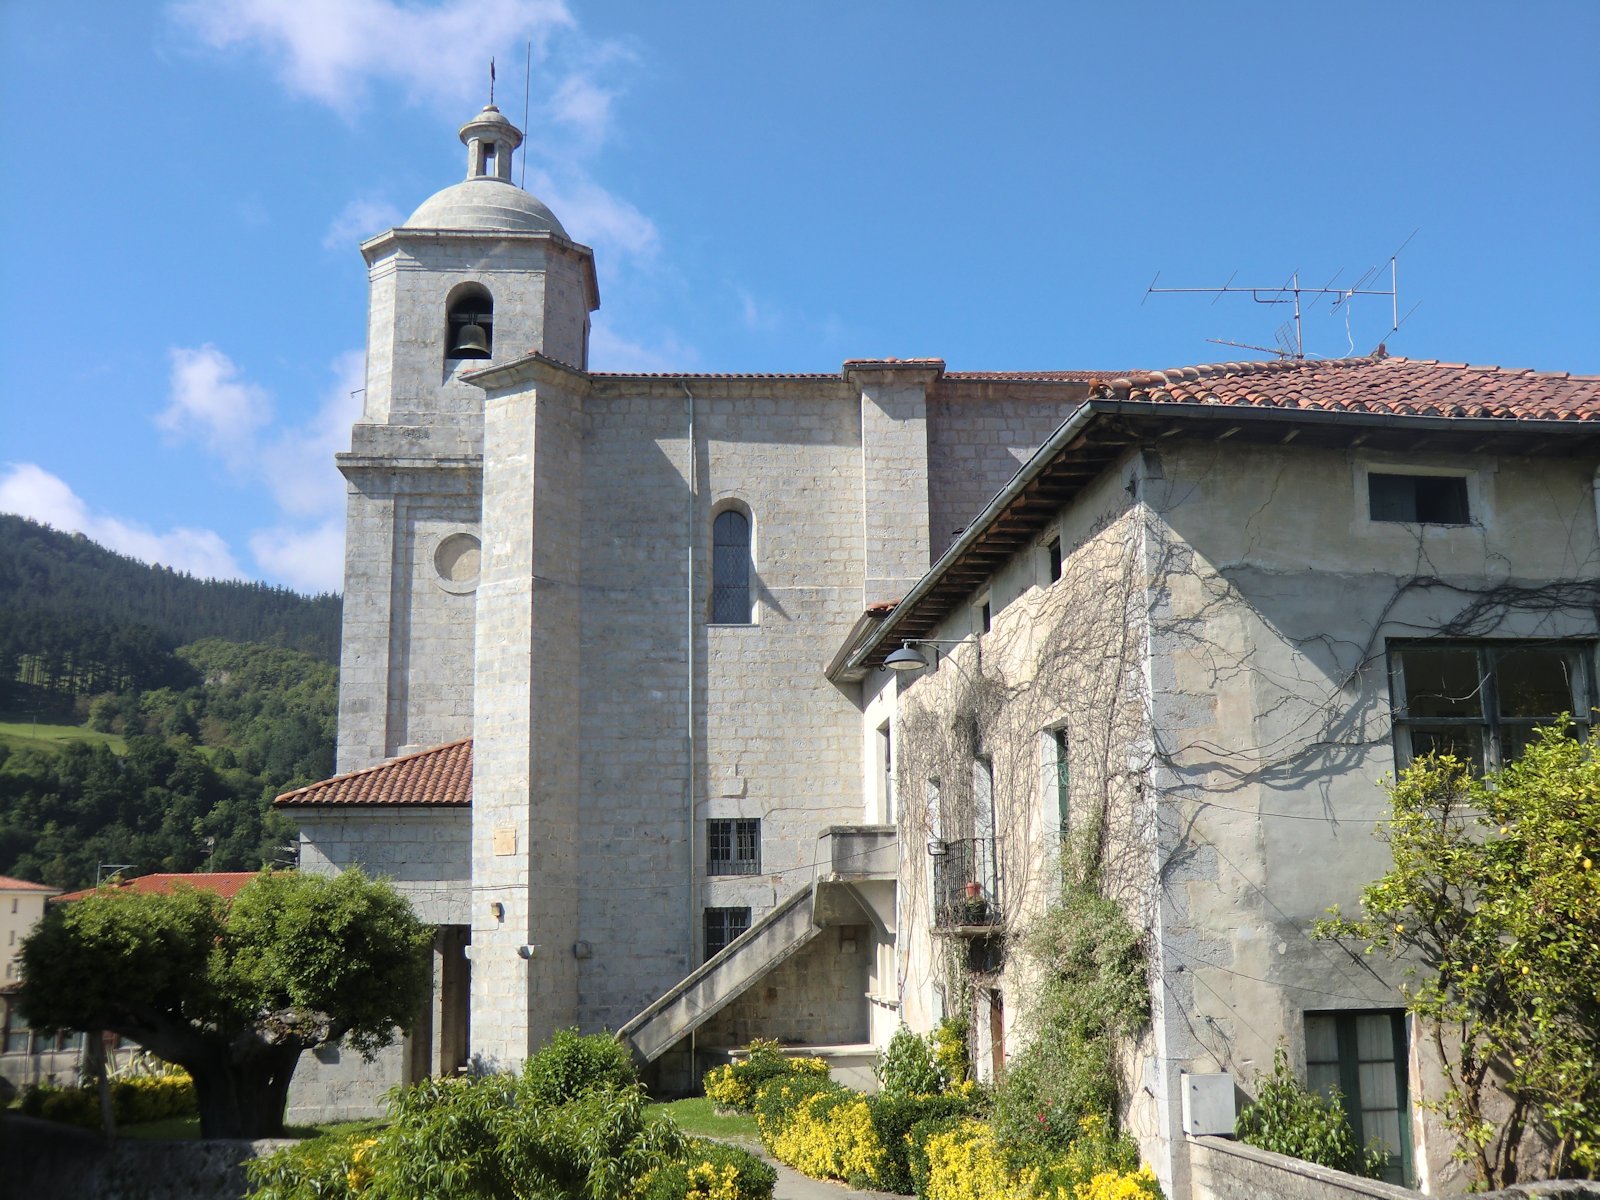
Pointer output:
1198, 628
618, 708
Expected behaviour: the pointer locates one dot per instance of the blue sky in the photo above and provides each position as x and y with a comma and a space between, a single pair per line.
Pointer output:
767, 187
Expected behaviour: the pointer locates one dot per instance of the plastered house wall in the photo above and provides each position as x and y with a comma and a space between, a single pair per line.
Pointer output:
1252, 741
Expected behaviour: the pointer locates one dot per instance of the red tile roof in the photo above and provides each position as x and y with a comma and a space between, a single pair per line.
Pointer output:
440, 775
224, 883
1379, 384
8, 884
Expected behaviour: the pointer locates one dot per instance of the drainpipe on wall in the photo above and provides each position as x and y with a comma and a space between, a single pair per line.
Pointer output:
689, 630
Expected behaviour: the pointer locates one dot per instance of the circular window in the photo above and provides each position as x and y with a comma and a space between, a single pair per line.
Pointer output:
456, 561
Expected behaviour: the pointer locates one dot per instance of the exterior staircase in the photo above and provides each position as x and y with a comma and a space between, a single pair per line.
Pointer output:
853, 884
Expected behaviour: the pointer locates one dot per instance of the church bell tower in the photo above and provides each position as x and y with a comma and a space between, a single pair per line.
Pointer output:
480, 274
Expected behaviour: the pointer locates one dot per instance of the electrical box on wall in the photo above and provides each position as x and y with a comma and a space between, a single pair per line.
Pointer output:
1208, 1103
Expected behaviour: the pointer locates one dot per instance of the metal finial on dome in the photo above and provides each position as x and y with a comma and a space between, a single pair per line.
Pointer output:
491, 81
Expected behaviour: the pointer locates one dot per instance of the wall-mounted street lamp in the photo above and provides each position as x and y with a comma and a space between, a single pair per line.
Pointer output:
909, 658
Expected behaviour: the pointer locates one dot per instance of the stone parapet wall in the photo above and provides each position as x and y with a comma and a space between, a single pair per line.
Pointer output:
1220, 1169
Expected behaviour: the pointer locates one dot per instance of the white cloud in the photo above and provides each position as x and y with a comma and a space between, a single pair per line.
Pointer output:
30, 490
583, 104
755, 315
297, 464
213, 404
209, 402
609, 351
309, 560
359, 220
332, 51
594, 216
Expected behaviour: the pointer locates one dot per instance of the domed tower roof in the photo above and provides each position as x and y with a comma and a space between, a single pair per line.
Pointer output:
487, 199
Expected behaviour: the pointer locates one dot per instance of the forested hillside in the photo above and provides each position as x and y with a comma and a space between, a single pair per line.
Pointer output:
76, 618
223, 695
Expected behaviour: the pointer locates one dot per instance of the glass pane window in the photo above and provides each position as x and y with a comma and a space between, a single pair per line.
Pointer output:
1418, 499
730, 568
722, 926
1481, 701
1362, 1057
733, 847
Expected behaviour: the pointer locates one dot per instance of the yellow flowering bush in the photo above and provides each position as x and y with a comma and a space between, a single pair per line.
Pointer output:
827, 1135
359, 1173
736, 1085
965, 1163
1118, 1185
950, 1052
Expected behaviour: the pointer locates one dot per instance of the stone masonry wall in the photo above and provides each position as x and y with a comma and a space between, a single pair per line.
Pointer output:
812, 998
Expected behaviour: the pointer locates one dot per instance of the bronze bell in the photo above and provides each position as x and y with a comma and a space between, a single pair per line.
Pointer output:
471, 342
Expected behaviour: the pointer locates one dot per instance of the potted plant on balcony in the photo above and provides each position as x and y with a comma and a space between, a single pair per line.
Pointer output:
973, 908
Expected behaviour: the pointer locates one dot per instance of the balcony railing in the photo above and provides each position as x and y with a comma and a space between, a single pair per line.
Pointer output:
966, 885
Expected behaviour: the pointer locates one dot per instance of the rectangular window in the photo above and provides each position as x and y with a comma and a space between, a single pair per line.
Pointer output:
886, 755
1057, 778
985, 615
1418, 499
1481, 700
733, 847
1052, 552
985, 867
722, 926
1362, 1055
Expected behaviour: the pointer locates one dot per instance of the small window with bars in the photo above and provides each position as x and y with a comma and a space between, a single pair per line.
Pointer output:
733, 847
722, 926
1418, 499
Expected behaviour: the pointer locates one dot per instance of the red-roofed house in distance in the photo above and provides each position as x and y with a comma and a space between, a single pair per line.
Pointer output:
224, 883
22, 1057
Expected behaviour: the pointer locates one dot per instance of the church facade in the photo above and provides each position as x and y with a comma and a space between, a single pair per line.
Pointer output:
705, 707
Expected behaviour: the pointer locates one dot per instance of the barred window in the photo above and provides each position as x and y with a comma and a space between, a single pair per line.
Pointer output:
730, 568
1482, 700
733, 847
722, 926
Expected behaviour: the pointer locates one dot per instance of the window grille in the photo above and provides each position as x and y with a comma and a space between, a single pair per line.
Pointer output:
733, 847
722, 926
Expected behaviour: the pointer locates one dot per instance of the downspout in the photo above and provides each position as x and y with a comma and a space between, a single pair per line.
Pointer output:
692, 521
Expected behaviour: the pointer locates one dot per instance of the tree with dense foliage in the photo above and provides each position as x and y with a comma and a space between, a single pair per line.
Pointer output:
1494, 901
233, 992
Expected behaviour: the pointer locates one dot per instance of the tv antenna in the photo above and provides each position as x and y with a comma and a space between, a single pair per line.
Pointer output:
1290, 337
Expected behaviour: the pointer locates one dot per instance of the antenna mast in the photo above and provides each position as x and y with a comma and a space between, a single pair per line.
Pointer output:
1290, 336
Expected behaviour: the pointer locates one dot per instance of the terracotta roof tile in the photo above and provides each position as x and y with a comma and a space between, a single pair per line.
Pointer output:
1379, 384
8, 884
224, 883
440, 775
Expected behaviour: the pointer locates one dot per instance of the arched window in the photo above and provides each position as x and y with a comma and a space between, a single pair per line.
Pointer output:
730, 568
471, 324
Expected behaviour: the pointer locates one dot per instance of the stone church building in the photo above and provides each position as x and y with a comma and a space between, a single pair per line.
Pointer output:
624, 590
704, 707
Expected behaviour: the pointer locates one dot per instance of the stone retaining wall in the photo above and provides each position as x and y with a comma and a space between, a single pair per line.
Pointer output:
1220, 1169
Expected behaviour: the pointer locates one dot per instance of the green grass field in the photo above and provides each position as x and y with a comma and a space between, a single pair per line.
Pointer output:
699, 1116
23, 734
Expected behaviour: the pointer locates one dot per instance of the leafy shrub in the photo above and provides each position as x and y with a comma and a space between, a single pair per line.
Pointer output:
950, 1052
1096, 997
908, 1068
331, 1167
827, 1134
711, 1170
735, 1085
965, 1162
134, 1100
893, 1120
917, 1139
1288, 1118
572, 1064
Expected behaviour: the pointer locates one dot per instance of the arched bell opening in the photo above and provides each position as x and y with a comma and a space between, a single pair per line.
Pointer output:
470, 324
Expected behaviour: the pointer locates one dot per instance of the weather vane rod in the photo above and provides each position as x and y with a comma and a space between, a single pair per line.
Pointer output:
491, 82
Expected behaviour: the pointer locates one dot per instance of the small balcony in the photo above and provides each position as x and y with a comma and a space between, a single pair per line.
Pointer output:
966, 887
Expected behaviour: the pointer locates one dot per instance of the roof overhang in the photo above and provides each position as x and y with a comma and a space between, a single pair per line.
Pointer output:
1101, 431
